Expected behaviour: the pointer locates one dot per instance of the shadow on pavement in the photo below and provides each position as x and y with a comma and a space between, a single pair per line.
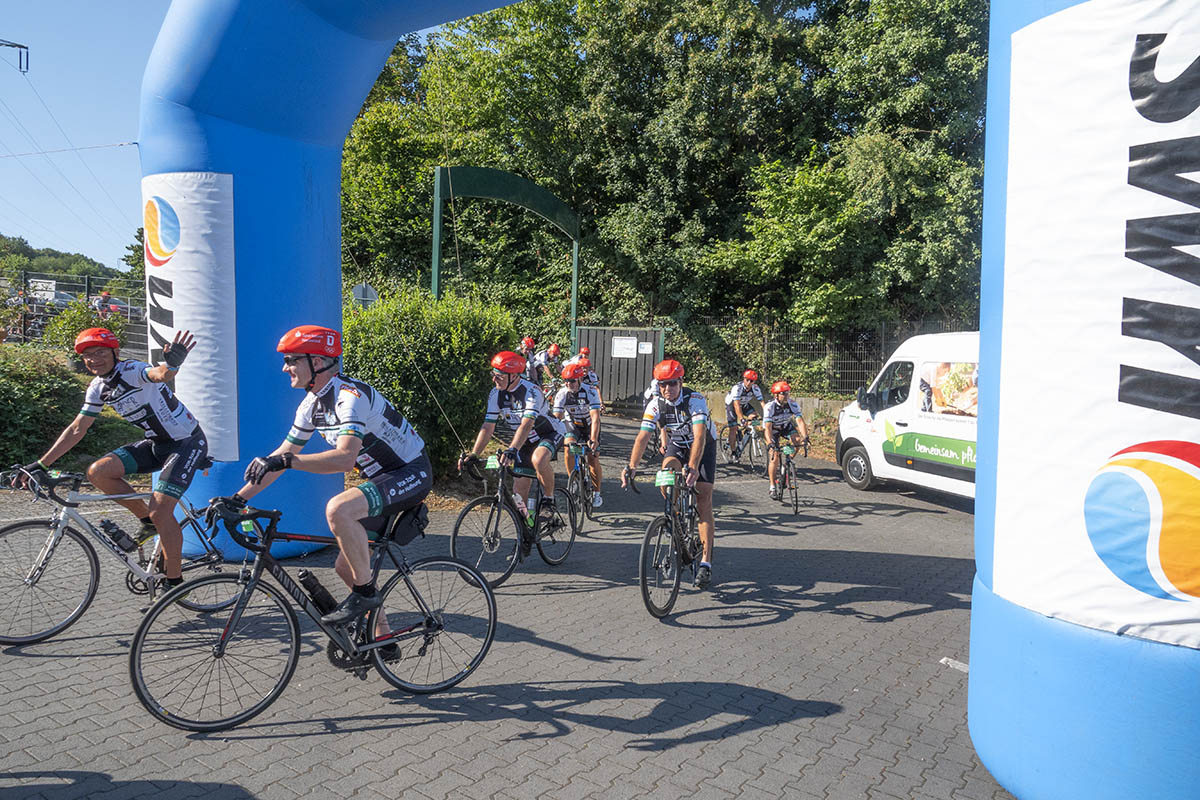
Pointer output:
665, 714
64, 784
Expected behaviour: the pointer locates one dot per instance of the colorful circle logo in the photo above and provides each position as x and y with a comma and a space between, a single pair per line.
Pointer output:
1142, 513
161, 231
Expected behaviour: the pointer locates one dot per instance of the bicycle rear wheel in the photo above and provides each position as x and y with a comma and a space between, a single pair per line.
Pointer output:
177, 674
486, 535
794, 487
442, 617
43, 592
556, 531
723, 440
579, 504
658, 568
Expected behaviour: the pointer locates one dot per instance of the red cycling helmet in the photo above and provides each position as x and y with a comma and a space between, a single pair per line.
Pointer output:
510, 362
527, 342
585, 363
779, 387
96, 337
585, 351
312, 340
553, 350
750, 374
669, 370
574, 372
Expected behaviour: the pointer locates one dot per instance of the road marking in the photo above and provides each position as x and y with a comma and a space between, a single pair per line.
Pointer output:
952, 664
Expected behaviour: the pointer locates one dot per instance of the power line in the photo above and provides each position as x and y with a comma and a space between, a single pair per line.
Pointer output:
38, 95
71, 150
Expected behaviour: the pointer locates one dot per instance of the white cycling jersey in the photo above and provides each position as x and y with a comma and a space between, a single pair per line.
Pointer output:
689, 409
781, 414
578, 404
347, 407
740, 394
525, 401
151, 406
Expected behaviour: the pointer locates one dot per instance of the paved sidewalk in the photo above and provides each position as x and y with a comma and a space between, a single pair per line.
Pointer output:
812, 669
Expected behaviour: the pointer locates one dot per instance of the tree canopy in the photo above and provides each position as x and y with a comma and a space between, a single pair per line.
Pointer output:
820, 161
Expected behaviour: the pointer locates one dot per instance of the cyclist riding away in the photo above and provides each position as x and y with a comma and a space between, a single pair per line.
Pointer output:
692, 448
578, 405
529, 353
174, 444
546, 363
366, 432
781, 417
536, 435
738, 405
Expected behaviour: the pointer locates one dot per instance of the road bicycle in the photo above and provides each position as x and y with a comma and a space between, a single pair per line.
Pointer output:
490, 529
579, 486
51, 572
787, 476
749, 444
212, 671
672, 542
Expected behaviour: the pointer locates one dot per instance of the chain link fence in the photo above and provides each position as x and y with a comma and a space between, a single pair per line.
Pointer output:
32, 300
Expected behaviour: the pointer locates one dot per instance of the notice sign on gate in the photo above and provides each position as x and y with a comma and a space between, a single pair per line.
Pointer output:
624, 347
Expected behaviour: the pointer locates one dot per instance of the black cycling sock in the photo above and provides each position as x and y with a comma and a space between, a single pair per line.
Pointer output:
174, 581
366, 590
146, 521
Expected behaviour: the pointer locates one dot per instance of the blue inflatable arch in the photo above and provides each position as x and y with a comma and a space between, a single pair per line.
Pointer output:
245, 107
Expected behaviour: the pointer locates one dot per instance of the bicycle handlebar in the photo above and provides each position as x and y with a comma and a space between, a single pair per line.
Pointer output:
40, 487
233, 517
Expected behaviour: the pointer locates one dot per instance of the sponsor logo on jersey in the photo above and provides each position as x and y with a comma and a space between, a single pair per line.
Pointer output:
351, 390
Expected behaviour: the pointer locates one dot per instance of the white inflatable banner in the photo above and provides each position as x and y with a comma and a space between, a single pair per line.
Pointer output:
190, 274
1098, 485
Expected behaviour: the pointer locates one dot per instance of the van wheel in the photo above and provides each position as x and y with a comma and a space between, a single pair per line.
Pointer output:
856, 469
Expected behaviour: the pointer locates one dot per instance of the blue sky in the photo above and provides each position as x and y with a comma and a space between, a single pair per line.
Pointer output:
86, 60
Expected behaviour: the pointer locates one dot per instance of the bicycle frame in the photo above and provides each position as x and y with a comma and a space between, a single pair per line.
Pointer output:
342, 637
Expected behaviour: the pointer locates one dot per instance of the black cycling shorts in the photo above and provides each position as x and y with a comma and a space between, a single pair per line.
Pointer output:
708, 461
524, 464
579, 432
731, 415
788, 429
397, 490
174, 459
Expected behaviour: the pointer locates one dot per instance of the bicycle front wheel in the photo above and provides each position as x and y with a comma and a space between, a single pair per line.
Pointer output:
794, 487
182, 677
556, 530
486, 535
44, 590
579, 503
442, 617
658, 568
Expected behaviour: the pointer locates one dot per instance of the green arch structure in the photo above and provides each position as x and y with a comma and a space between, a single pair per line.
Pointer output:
496, 184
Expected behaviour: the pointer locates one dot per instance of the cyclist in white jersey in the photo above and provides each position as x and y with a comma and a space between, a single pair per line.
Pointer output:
578, 405
367, 433
537, 435
545, 362
528, 351
590, 378
781, 417
174, 443
692, 448
739, 405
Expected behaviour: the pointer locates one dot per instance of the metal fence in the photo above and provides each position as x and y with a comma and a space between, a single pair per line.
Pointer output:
717, 350
33, 300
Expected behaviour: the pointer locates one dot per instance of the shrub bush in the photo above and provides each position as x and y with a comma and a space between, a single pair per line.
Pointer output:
401, 338
77, 316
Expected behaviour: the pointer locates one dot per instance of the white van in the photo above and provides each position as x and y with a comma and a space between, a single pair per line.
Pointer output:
916, 422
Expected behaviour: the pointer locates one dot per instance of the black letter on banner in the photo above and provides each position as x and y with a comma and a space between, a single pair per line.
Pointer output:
1178, 327
1160, 391
1152, 241
1161, 102
155, 288
1157, 167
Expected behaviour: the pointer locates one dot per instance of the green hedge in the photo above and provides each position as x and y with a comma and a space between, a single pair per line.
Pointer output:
401, 338
39, 396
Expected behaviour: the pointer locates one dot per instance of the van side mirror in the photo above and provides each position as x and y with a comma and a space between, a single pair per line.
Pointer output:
867, 401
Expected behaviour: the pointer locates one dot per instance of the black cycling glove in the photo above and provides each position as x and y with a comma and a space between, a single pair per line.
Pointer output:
260, 466
174, 354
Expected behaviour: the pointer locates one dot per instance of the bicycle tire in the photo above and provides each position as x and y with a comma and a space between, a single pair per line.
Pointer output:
213, 560
659, 567
483, 539
556, 534
455, 635
179, 679
794, 487
587, 496
723, 438
36, 613
576, 490
758, 457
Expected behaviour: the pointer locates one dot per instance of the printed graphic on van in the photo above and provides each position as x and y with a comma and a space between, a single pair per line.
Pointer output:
950, 388
938, 455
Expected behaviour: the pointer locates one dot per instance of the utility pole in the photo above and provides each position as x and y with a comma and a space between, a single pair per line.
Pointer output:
22, 54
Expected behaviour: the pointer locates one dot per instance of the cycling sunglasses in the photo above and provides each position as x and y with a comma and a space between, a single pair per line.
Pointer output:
292, 361
669, 383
